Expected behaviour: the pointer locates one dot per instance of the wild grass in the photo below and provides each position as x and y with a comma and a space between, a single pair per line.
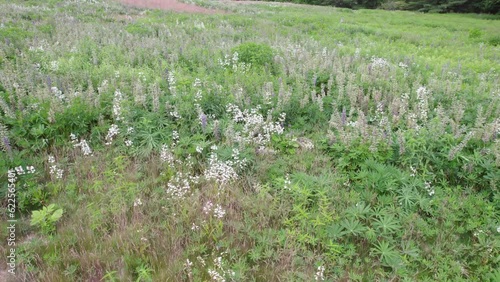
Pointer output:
273, 143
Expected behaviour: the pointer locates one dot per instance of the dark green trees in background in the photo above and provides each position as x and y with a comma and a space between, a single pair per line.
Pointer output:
459, 6
435, 6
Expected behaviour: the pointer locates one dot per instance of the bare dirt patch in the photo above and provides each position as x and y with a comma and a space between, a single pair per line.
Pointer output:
171, 5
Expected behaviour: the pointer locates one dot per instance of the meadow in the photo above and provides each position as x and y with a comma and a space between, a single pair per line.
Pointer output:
270, 142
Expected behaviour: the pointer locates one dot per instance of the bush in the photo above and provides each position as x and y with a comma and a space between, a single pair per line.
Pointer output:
256, 54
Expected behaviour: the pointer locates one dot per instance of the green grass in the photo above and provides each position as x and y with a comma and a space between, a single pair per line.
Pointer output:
361, 141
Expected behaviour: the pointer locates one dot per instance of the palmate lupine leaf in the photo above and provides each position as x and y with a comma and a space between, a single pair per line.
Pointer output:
387, 254
387, 224
354, 227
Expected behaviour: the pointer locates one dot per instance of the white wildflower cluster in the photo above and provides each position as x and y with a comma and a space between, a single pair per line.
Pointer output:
175, 138
219, 273
423, 104
479, 231
256, 130
223, 171
117, 110
233, 63
54, 66
27, 170
287, 182
188, 267
167, 156
180, 185
207, 208
413, 171
429, 188
54, 169
199, 25
36, 49
216, 211
199, 149
304, 143
171, 83
129, 142
379, 63
137, 202
57, 93
403, 65
84, 146
198, 96
319, 276
175, 114
112, 133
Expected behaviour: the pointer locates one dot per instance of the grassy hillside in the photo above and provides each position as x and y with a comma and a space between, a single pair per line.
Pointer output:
274, 142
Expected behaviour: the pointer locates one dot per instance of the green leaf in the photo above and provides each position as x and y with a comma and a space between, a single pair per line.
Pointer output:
56, 215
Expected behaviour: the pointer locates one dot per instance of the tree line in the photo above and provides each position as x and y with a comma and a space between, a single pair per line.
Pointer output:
434, 6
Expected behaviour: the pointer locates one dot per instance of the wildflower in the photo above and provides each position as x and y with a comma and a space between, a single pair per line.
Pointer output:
215, 275
166, 155
86, 150
287, 182
201, 260
379, 63
117, 110
423, 107
58, 93
137, 202
52, 159
413, 171
19, 170
59, 173
319, 274
199, 149
112, 132
219, 212
179, 186
30, 169
222, 172
54, 66
171, 83
207, 208
188, 266
144, 239
195, 227
175, 136
175, 115
429, 189
128, 143
6, 143
203, 121
498, 229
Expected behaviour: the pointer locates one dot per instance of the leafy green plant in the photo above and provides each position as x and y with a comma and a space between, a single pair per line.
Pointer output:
258, 55
46, 218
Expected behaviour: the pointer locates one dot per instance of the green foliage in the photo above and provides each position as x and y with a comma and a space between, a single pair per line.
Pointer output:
46, 218
258, 55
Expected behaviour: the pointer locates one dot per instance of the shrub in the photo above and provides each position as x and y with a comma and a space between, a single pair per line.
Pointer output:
255, 54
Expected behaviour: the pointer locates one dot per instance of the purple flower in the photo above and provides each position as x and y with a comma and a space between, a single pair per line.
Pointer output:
6, 143
203, 119
344, 117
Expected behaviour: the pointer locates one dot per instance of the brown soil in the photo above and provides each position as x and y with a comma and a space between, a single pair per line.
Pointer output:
172, 5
